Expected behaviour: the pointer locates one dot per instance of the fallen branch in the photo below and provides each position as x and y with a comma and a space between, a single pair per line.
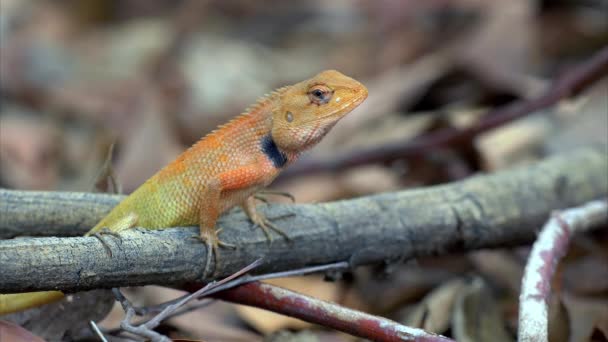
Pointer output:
279, 300
569, 84
327, 314
501, 209
549, 248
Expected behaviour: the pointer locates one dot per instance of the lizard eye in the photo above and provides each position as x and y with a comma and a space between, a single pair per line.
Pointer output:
289, 117
319, 94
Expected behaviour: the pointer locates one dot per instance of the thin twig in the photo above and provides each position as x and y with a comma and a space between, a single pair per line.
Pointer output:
146, 329
97, 331
126, 325
568, 84
247, 278
106, 173
153, 323
549, 248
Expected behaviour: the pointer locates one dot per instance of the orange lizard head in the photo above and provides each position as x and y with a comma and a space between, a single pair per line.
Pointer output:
307, 110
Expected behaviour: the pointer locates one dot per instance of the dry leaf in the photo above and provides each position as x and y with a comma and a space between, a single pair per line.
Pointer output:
499, 266
586, 275
11, 332
559, 321
68, 318
588, 315
477, 316
434, 313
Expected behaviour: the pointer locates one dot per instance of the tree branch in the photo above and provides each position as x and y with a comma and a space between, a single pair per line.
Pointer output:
550, 247
568, 84
505, 208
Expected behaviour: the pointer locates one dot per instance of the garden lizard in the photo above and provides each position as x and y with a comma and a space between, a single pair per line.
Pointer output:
227, 167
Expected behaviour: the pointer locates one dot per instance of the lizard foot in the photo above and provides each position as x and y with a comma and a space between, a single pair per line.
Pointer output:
106, 231
266, 225
210, 238
262, 221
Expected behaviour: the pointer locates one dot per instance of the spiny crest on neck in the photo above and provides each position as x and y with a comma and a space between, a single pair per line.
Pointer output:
253, 110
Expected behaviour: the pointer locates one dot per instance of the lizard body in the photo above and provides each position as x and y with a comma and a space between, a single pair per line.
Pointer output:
227, 166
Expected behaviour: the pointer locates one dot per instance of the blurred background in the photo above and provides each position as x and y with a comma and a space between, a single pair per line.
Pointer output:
152, 77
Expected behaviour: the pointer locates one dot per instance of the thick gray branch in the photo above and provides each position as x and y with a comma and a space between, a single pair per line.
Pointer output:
505, 208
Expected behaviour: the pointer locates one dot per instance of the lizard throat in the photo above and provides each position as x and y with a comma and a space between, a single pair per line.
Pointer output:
271, 150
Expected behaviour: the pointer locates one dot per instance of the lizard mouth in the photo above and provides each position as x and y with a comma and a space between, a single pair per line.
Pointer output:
345, 108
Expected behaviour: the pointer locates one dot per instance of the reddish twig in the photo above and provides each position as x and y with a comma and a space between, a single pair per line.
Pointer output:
549, 248
277, 299
569, 84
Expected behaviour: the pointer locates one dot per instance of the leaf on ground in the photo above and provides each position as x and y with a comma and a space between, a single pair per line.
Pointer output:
434, 313
11, 332
514, 143
68, 318
588, 317
559, 321
477, 315
587, 275
500, 267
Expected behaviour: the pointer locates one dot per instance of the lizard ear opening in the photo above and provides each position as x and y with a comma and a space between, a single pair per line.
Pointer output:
289, 116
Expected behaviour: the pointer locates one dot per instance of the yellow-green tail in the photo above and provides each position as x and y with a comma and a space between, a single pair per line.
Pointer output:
15, 302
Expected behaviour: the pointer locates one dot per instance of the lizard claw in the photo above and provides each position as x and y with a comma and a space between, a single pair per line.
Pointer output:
210, 239
261, 221
106, 231
222, 243
267, 225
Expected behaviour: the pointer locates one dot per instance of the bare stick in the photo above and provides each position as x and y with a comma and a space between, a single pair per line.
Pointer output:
126, 325
97, 331
283, 301
549, 248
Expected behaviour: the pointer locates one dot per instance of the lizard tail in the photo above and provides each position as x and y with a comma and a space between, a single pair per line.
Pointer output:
15, 302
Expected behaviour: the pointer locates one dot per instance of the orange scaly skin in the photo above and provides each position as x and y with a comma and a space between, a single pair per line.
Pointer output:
229, 165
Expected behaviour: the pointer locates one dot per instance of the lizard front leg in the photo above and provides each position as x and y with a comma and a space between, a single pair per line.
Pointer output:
247, 176
209, 211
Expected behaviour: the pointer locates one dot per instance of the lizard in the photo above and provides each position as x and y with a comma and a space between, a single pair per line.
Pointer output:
227, 167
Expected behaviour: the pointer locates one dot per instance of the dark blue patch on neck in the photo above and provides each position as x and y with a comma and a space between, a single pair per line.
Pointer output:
270, 149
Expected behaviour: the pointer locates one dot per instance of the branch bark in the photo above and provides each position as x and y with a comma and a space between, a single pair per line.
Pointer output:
505, 208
